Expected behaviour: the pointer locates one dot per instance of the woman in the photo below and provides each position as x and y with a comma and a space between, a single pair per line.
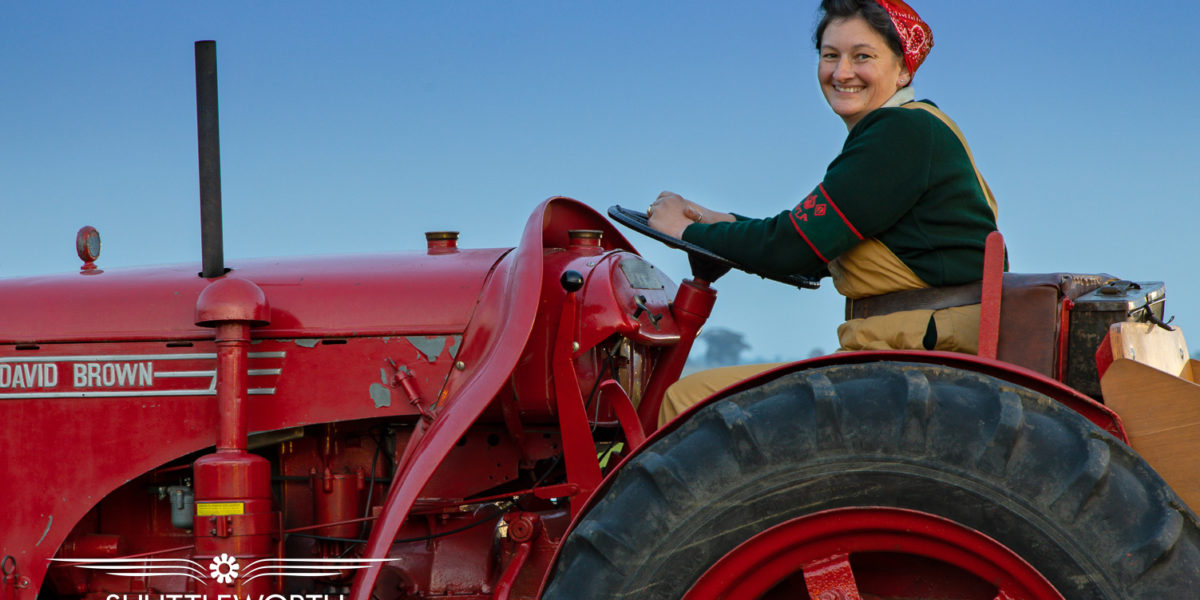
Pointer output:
901, 208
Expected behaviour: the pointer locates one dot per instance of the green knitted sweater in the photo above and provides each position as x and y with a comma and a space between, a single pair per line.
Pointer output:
904, 178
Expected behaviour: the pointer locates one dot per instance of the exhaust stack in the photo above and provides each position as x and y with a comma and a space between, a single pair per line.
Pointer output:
209, 141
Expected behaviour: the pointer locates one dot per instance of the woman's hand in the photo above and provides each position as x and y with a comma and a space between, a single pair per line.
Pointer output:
671, 214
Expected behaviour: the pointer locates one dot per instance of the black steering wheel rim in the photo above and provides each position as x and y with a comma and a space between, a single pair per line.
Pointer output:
704, 261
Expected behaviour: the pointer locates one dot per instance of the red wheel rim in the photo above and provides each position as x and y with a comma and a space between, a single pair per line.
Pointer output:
820, 552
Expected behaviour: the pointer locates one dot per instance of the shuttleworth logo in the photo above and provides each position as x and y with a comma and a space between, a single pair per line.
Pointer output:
223, 569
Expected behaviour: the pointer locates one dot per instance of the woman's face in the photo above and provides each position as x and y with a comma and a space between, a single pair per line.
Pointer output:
858, 71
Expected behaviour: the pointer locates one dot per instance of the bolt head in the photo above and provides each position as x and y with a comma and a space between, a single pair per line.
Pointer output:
521, 530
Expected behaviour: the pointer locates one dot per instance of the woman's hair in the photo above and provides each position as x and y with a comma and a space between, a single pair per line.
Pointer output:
869, 10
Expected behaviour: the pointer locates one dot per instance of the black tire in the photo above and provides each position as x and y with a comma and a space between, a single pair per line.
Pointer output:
1077, 504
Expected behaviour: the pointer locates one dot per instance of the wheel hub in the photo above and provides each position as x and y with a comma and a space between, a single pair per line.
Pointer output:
872, 553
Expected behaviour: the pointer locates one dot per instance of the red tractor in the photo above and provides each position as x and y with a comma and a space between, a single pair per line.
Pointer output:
480, 423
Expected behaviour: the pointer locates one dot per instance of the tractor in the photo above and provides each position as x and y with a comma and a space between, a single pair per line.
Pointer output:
474, 424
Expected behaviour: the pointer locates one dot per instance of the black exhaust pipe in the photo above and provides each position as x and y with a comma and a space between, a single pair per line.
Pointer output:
209, 139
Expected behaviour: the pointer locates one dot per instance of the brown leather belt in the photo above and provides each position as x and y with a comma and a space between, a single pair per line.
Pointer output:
922, 299
1070, 285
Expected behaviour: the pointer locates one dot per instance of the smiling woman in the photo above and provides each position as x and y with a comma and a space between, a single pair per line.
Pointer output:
858, 71
901, 208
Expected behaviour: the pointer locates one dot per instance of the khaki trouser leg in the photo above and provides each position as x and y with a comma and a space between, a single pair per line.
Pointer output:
957, 330
695, 387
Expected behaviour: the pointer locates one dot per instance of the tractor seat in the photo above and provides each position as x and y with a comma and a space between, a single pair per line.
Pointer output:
1032, 311
1031, 317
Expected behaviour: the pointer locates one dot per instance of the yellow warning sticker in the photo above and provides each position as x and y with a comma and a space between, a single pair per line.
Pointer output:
220, 509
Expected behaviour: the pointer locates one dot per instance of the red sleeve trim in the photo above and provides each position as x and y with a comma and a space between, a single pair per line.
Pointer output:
821, 186
792, 216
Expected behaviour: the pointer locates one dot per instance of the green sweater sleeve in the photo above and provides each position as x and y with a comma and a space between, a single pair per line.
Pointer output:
881, 173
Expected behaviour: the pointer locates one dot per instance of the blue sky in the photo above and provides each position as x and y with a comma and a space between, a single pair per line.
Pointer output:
354, 127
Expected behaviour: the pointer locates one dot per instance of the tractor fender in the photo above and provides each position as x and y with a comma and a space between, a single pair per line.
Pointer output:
1099, 414
492, 344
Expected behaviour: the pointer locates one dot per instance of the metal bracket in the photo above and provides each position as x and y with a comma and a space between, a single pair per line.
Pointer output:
1157, 321
640, 301
403, 379
9, 575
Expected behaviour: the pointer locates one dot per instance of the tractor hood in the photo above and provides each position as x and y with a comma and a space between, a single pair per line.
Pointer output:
410, 293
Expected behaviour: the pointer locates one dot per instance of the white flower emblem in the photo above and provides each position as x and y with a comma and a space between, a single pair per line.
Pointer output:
224, 560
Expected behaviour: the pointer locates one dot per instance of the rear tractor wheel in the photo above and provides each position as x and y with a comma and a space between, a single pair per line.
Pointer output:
887, 481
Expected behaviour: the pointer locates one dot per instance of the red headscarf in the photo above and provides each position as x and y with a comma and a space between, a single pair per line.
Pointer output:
915, 35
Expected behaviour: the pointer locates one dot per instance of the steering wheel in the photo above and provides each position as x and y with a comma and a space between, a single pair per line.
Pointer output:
706, 264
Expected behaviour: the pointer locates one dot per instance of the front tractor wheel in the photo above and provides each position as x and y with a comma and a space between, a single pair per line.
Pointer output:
887, 481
